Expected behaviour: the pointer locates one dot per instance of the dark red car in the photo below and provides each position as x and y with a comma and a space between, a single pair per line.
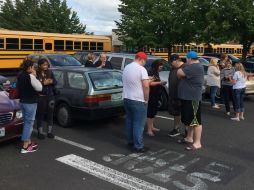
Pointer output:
11, 119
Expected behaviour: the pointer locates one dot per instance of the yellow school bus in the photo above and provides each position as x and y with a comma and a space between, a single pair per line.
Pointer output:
181, 50
201, 49
16, 45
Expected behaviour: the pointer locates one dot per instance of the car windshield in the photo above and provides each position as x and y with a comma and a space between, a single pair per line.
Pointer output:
106, 80
165, 64
203, 61
63, 60
233, 58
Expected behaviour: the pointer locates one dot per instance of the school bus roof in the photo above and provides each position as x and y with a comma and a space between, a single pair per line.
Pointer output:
56, 35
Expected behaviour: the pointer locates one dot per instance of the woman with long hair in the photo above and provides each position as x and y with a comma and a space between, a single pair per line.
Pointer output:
213, 80
46, 101
90, 59
239, 85
227, 87
154, 96
28, 87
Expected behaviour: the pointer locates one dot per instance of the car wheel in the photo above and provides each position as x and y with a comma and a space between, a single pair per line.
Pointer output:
163, 101
63, 115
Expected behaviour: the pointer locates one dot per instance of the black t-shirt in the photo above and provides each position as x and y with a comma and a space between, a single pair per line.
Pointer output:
173, 82
89, 64
107, 65
155, 90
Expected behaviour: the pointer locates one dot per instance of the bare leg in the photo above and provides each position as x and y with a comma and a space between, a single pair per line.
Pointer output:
242, 115
189, 137
177, 122
150, 127
197, 136
26, 143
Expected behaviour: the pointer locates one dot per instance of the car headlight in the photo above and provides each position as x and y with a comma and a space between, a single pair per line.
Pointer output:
19, 114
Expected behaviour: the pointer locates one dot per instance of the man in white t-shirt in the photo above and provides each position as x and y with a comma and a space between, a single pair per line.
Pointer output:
136, 95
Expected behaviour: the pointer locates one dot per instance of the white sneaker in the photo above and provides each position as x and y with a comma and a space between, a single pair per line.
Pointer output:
228, 113
242, 118
31, 148
235, 119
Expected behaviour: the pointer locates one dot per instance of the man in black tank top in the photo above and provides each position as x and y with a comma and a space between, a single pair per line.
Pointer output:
174, 106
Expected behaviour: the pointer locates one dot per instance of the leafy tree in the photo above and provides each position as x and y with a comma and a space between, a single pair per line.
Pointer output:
234, 20
40, 15
160, 23
134, 27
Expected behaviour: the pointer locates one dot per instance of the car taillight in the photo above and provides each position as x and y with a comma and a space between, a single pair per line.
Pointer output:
97, 98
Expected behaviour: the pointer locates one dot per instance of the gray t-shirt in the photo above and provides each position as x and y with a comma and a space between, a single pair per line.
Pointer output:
190, 87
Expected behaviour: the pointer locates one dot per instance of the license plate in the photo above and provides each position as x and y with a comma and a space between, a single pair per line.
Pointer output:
116, 97
2, 132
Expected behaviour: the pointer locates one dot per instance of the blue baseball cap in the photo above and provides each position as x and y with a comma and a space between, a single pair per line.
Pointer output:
192, 55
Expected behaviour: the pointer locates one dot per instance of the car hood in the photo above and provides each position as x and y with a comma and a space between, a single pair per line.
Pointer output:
7, 105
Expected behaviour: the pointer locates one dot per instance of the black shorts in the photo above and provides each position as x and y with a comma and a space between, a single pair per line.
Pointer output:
191, 113
152, 109
174, 106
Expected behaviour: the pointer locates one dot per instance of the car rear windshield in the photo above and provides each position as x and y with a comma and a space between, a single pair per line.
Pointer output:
165, 64
106, 80
63, 60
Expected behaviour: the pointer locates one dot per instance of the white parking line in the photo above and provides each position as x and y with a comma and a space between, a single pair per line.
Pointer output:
163, 117
107, 174
74, 143
69, 142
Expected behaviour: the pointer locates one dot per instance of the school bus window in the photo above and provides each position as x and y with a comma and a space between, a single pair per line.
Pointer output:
48, 46
1, 43
100, 46
69, 45
93, 46
77, 45
38, 44
59, 45
85, 46
12, 43
27, 44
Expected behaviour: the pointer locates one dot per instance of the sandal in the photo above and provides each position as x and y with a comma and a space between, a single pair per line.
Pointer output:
150, 134
183, 141
156, 129
192, 148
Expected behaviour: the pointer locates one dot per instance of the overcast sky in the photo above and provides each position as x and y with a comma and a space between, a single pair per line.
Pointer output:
98, 15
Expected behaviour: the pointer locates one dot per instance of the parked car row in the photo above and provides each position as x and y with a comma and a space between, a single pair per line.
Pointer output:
86, 93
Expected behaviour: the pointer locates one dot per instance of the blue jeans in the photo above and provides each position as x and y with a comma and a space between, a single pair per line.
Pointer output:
136, 113
29, 112
213, 91
239, 99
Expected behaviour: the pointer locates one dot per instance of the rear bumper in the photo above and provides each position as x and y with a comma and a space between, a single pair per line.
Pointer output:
12, 130
97, 113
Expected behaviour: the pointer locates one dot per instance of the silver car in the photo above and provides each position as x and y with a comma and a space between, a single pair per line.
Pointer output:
87, 93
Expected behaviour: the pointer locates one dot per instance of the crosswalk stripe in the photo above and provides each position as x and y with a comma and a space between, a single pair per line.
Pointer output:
105, 173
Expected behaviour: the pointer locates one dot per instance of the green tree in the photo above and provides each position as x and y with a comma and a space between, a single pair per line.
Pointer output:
7, 16
231, 20
134, 27
40, 15
160, 23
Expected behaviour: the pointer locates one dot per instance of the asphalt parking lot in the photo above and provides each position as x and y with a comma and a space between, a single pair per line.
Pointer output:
93, 155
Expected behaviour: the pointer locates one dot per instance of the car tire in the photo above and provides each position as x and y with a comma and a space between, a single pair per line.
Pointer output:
63, 115
163, 102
